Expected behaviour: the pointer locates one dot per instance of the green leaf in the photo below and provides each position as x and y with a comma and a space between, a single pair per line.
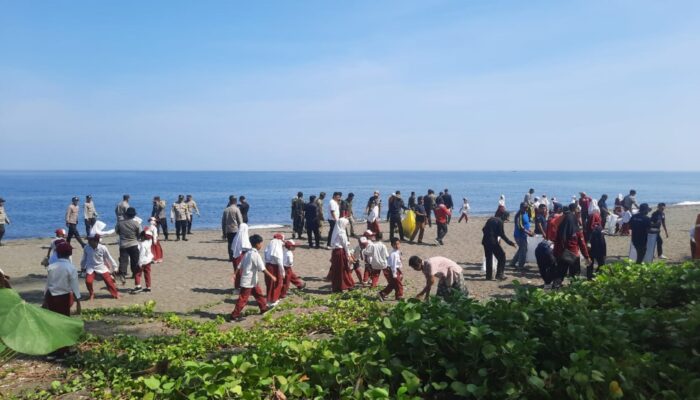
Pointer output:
387, 323
412, 381
536, 381
32, 330
489, 351
386, 371
411, 316
152, 383
459, 388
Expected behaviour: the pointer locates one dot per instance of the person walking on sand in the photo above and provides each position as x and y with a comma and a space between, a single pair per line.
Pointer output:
62, 288
629, 202
412, 201
448, 274
658, 219
347, 211
128, 230
640, 223
421, 216
156, 248
89, 214
464, 212
373, 211
333, 214
376, 260
290, 277
230, 221
191, 210
145, 262
441, 214
4, 219
159, 213
312, 222
121, 208
604, 211
501, 211
449, 203
298, 215
244, 207
274, 263
180, 215
521, 233
341, 267
492, 234
319, 209
396, 207
393, 273
97, 260
72, 221
250, 266
429, 203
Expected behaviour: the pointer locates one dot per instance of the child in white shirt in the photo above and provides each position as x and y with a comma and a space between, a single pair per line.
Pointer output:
145, 262
289, 275
464, 212
393, 274
250, 266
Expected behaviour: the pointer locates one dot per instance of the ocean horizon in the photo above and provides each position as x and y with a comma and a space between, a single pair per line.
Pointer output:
36, 200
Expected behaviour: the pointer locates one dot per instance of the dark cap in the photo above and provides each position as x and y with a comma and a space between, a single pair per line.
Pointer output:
88, 196
75, 198
130, 212
2, 200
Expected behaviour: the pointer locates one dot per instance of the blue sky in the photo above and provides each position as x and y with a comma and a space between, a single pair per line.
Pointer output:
321, 85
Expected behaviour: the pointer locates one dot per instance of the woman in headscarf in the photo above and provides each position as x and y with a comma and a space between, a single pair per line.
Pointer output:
274, 263
594, 219
618, 205
156, 248
240, 246
599, 249
341, 268
501, 211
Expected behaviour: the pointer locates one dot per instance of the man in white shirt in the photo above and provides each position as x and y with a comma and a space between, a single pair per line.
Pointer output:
62, 282
96, 259
333, 214
250, 266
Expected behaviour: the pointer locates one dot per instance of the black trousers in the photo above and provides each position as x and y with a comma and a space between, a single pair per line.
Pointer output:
128, 256
298, 225
230, 236
89, 223
441, 230
659, 245
73, 233
394, 222
641, 252
331, 226
564, 268
491, 250
164, 226
181, 229
312, 232
2, 231
189, 225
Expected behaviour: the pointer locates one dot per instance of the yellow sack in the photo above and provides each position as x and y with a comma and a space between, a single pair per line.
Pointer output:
409, 223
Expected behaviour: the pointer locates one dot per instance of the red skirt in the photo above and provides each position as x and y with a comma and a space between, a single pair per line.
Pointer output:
157, 251
341, 276
237, 271
59, 304
274, 289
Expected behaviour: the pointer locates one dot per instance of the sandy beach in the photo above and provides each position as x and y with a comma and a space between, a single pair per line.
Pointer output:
196, 277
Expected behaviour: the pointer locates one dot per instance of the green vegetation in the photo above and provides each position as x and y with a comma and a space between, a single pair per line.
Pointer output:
630, 333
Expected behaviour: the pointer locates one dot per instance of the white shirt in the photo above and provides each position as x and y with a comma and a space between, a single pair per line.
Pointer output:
373, 214
53, 257
250, 266
333, 210
62, 278
145, 255
288, 258
97, 260
395, 262
376, 255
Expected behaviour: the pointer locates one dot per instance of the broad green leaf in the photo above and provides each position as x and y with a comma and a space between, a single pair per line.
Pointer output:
387, 323
152, 383
29, 329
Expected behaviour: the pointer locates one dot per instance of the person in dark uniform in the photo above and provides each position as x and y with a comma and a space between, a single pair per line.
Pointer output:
640, 224
244, 207
298, 215
492, 230
159, 213
449, 203
312, 227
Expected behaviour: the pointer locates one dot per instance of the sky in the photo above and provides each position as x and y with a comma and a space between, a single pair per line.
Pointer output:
350, 85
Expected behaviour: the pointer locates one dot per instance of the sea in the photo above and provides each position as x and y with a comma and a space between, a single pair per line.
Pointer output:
36, 201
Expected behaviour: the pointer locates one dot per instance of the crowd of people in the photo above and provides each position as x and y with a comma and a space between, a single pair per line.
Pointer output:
570, 233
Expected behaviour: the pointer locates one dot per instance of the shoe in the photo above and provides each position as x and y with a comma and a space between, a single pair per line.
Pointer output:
185, 240
489, 278
237, 319
663, 257
264, 311
177, 240
501, 277
271, 305
381, 296
547, 286
137, 289
147, 289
